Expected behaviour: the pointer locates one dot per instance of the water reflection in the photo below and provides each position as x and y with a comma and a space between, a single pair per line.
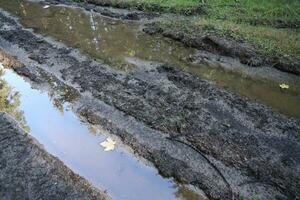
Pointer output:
113, 41
55, 126
264, 91
186, 193
109, 40
10, 102
59, 93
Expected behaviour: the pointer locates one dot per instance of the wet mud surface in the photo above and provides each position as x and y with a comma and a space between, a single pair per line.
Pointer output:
65, 135
247, 54
140, 7
27, 171
116, 42
119, 13
227, 145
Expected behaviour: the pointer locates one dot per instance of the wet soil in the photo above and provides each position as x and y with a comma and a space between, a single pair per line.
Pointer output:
141, 6
117, 42
227, 145
276, 23
226, 46
29, 172
119, 12
65, 135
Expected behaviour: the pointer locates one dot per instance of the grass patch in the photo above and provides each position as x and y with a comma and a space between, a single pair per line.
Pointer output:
243, 10
253, 21
187, 7
220, 9
272, 41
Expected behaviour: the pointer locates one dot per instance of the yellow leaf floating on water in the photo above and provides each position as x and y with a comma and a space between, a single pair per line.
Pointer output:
108, 144
131, 53
284, 86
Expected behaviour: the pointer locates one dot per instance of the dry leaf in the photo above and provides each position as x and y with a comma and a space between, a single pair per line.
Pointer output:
284, 86
131, 53
108, 144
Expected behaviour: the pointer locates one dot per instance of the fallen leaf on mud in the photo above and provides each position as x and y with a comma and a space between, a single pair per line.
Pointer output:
46, 6
108, 144
284, 86
227, 125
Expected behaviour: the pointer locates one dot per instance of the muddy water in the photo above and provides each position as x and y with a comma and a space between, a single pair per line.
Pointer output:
113, 41
109, 40
58, 129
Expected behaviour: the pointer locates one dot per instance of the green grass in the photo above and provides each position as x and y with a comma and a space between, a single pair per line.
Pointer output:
257, 9
225, 9
271, 41
232, 18
175, 6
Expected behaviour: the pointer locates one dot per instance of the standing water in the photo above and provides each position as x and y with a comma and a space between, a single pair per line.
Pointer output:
77, 144
113, 41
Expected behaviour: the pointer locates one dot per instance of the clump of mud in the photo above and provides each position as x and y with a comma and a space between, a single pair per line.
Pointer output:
246, 53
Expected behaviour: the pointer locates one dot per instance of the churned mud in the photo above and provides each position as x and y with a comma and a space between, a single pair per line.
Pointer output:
245, 53
27, 171
117, 12
225, 144
44, 112
115, 42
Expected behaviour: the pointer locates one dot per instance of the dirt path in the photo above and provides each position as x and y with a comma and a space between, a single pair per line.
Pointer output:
27, 171
225, 144
223, 45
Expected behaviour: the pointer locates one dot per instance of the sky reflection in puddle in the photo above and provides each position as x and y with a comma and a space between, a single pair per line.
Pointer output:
77, 145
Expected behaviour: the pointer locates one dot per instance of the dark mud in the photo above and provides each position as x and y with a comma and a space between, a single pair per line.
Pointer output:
225, 144
105, 10
146, 7
226, 46
275, 23
116, 41
27, 171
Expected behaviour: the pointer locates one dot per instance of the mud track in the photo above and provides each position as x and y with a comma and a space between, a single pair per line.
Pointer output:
240, 50
27, 171
105, 10
226, 46
225, 144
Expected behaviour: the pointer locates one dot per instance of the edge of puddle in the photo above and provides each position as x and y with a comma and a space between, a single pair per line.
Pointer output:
43, 129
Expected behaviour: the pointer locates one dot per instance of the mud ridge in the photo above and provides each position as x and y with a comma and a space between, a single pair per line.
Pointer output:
246, 141
106, 10
227, 47
147, 7
275, 23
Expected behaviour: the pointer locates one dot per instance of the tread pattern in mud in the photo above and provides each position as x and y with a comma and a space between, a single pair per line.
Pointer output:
255, 149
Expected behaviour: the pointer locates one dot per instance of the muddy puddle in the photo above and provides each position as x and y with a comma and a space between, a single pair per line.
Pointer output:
114, 41
48, 118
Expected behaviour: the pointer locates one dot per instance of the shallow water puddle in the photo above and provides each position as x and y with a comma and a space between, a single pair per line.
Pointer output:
77, 144
113, 41
103, 38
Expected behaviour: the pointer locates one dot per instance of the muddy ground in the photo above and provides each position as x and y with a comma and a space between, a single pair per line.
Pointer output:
246, 53
225, 144
119, 12
27, 171
226, 46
